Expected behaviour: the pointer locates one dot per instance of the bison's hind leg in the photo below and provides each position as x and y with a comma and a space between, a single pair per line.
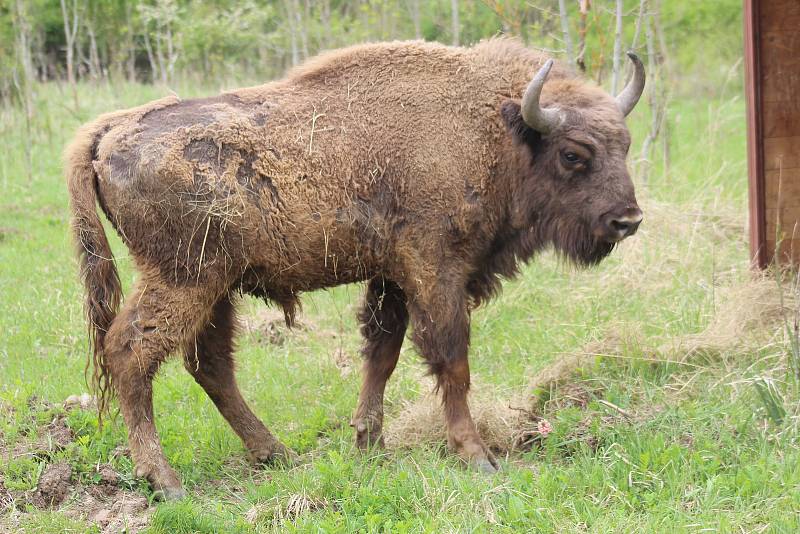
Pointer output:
209, 359
384, 320
156, 320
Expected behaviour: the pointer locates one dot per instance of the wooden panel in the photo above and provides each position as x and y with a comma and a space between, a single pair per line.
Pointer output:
785, 182
789, 222
790, 250
782, 152
781, 119
780, 65
755, 116
780, 15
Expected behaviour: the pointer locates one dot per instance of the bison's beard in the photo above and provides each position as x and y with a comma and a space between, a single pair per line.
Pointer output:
576, 241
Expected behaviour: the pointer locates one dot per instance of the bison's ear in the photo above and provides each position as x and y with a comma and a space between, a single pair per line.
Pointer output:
520, 132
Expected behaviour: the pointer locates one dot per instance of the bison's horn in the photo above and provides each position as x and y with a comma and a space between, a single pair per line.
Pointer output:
541, 119
629, 96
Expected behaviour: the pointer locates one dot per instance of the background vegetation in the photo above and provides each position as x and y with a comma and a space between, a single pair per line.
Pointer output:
668, 373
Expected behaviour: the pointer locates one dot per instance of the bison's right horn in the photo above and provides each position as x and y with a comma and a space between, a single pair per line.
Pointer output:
629, 96
543, 120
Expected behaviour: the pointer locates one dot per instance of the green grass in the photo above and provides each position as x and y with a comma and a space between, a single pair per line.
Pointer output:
696, 452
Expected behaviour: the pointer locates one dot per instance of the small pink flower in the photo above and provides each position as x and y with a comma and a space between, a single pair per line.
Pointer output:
544, 427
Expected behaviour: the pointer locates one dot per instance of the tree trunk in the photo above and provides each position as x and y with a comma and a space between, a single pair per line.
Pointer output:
413, 6
131, 44
70, 32
455, 22
291, 18
565, 32
656, 98
615, 66
150, 56
580, 59
639, 18
94, 57
24, 82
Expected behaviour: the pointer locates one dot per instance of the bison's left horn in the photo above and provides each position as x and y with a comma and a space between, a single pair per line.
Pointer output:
629, 96
543, 120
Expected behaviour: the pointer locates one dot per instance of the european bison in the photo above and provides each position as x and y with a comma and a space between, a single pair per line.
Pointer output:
429, 171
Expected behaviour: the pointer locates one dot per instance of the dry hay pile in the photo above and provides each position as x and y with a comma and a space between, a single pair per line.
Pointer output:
748, 314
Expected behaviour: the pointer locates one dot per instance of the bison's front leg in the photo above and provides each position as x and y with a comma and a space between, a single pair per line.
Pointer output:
441, 330
384, 320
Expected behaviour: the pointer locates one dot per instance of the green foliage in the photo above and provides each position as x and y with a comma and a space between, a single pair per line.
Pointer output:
225, 39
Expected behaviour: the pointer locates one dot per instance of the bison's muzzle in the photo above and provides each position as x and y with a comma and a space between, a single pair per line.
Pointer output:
614, 227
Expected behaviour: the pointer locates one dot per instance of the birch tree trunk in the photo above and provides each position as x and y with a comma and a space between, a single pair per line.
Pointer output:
413, 6
580, 59
567, 36
455, 21
639, 18
292, 20
71, 21
615, 66
131, 44
24, 81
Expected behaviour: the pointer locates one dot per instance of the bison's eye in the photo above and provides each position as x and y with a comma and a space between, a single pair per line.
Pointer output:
572, 157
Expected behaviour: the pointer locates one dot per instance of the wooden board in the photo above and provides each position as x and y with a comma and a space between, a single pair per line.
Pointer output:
780, 15
772, 81
781, 153
780, 65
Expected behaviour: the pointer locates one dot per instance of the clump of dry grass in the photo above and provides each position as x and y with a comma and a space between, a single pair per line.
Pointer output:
421, 422
278, 511
748, 316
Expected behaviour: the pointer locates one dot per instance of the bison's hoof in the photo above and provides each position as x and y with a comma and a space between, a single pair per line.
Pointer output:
277, 455
163, 480
369, 434
486, 465
169, 494
478, 456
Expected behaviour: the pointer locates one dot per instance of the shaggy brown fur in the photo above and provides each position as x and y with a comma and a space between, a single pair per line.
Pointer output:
407, 164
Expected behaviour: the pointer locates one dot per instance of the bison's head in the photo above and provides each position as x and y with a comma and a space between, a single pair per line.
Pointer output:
575, 190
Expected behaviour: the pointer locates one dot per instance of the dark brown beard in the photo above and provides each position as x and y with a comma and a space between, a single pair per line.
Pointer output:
575, 240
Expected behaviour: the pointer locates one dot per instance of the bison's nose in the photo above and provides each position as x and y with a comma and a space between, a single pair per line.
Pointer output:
618, 227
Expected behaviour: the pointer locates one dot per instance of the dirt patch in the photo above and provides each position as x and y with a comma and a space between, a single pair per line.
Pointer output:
55, 484
50, 439
101, 497
112, 509
6, 498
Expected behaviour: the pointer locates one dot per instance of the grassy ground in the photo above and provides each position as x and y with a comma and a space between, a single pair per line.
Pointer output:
656, 422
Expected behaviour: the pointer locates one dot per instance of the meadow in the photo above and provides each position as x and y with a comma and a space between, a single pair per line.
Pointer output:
665, 373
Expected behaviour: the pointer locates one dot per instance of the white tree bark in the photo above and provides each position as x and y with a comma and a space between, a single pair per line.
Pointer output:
71, 18
615, 67
413, 6
639, 18
565, 31
455, 22
24, 83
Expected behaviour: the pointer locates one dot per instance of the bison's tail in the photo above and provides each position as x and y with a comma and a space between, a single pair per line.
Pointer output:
98, 272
